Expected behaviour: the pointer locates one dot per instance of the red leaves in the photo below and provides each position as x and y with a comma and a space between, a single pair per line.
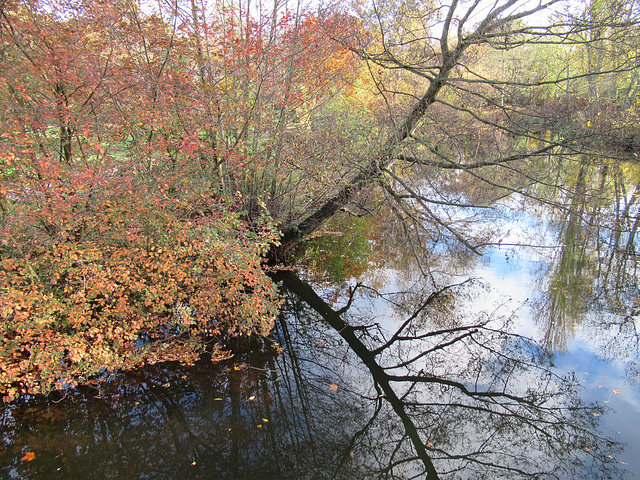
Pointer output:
115, 228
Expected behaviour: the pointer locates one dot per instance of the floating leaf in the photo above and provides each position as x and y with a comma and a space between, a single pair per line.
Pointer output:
333, 387
28, 457
617, 392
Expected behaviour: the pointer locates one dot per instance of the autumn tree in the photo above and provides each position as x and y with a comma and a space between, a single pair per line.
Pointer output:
473, 110
119, 245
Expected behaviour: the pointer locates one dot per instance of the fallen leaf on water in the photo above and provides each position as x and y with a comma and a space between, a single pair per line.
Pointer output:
252, 397
617, 392
333, 387
595, 414
430, 444
28, 457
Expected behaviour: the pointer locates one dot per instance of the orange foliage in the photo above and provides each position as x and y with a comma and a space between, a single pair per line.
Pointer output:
136, 283
131, 143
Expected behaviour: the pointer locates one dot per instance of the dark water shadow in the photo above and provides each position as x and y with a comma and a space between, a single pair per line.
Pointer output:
338, 397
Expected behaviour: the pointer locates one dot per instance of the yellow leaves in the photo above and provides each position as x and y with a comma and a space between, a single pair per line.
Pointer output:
8, 157
10, 395
77, 353
138, 270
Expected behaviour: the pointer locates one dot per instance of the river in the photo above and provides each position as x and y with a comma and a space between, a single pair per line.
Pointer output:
520, 363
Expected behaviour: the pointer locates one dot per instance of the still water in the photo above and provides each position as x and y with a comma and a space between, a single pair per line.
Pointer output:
515, 364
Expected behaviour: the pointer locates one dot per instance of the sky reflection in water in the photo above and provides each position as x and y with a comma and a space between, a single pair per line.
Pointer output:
311, 410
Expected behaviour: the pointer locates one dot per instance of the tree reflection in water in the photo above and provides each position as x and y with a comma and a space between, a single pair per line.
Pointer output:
473, 400
461, 398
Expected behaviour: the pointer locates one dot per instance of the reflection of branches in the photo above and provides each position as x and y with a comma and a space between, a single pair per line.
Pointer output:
495, 409
617, 336
346, 331
350, 447
440, 346
430, 299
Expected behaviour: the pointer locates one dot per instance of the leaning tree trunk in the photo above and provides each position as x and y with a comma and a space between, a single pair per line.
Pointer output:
492, 26
371, 172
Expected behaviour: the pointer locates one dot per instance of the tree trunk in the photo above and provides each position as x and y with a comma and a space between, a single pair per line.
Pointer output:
371, 172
